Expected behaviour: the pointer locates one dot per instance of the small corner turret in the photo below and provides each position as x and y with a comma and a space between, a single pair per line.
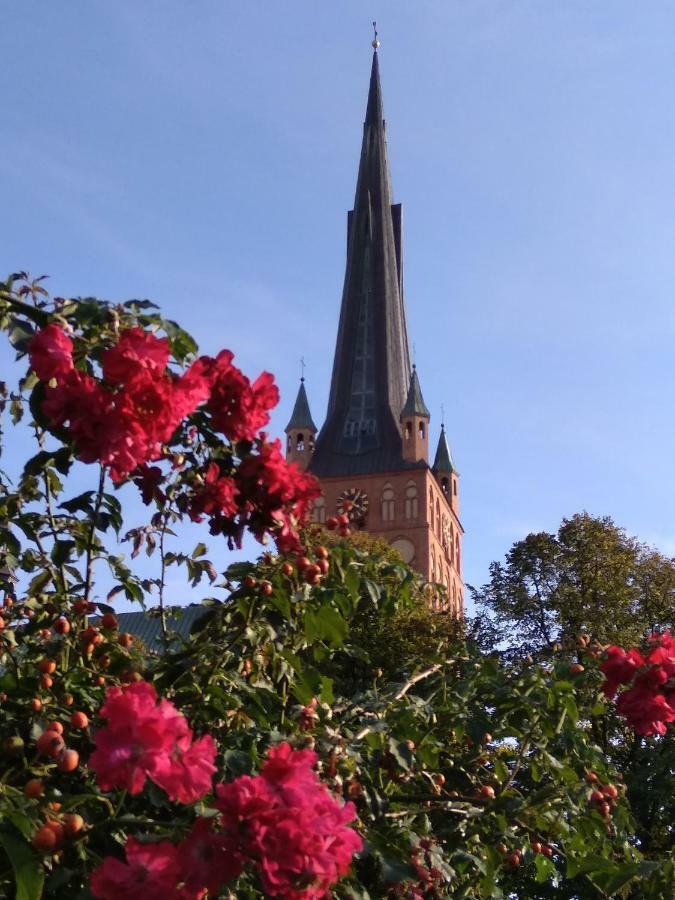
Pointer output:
415, 423
445, 471
300, 431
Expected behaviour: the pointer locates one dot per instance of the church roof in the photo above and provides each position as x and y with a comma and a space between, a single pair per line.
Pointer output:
301, 417
443, 460
415, 405
371, 369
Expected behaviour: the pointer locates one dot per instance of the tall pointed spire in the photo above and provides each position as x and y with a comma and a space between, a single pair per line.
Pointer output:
371, 370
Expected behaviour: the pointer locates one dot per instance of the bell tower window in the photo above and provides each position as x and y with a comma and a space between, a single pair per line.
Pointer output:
411, 506
388, 508
319, 510
300, 442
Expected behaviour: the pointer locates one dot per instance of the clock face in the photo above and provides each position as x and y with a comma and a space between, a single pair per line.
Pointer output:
353, 503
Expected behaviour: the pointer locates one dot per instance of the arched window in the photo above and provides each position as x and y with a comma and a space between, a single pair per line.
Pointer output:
454, 486
311, 442
289, 444
431, 508
319, 510
457, 553
438, 518
420, 431
411, 500
432, 574
300, 442
388, 510
452, 545
408, 431
445, 486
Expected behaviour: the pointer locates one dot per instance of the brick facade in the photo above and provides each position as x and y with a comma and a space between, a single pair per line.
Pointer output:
411, 512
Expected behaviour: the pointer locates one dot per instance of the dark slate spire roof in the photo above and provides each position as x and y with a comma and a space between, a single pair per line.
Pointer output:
301, 417
443, 460
371, 370
415, 405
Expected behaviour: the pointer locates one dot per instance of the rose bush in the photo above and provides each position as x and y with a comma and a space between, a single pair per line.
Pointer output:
266, 755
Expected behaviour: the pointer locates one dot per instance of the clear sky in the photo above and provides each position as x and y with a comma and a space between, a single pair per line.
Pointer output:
204, 154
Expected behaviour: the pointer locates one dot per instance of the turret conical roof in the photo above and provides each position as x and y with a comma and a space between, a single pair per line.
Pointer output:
301, 417
414, 404
443, 459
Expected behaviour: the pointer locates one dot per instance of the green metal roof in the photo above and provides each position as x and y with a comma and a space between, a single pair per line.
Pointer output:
301, 417
415, 405
443, 460
147, 626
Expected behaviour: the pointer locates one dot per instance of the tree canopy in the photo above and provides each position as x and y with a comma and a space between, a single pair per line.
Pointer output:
591, 576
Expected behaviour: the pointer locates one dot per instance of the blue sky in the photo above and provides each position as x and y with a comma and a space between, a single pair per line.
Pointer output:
204, 155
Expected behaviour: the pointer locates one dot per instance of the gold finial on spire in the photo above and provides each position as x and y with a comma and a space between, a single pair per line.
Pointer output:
302, 368
375, 42
442, 416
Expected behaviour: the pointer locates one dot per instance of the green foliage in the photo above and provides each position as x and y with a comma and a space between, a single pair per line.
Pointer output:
589, 577
469, 773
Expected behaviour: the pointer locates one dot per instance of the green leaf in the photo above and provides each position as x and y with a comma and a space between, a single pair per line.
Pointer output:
593, 864
40, 581
281, 602
325, 624
182, 344
401, 753
28, 872
501, 771
545, 868
20, 335
394, 871
613, 882
327, 690
81, 503
307, 685
373, 591
61, 551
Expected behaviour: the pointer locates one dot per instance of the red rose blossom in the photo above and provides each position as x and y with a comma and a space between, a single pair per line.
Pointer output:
152, 872
646, 711
619, 668
207, 858
216, 497
288, 823
136, 355
51, 353
237, 408
136, 742
189, 773
145, 739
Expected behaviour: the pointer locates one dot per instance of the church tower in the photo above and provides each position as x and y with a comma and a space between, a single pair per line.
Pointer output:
373, 448
300, 431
